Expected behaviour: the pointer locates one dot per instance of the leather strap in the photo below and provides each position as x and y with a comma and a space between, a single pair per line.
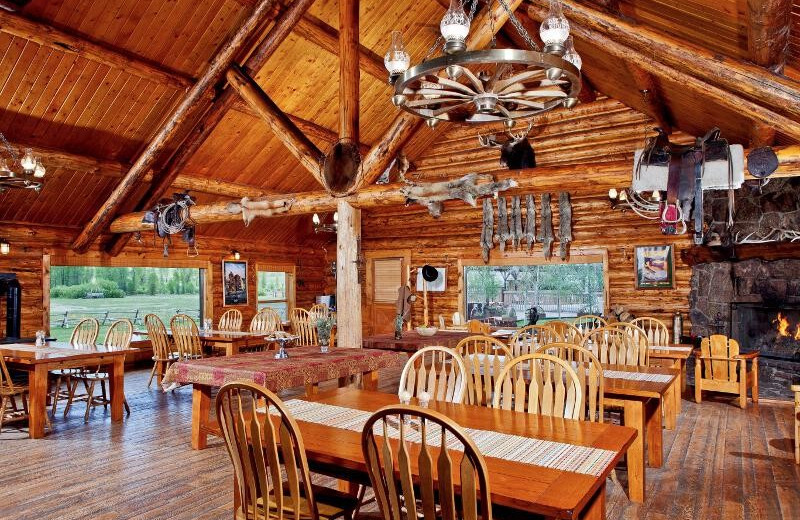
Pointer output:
698, 197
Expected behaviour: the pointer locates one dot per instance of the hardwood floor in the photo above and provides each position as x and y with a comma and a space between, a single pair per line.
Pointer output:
721, 462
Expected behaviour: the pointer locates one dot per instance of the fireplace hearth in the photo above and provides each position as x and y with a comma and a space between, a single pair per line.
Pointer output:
773, 331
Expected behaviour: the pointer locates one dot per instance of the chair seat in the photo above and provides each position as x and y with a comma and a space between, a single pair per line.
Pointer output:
18, 390
331, 504
172, 357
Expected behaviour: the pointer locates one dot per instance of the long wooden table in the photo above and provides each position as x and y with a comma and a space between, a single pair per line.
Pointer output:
231, 342
641, 403
518, 486
39, 361
413, 341
306, 366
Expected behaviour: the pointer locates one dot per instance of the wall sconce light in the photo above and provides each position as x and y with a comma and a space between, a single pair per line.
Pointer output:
646, 206
5, 247
236, 254
319, 227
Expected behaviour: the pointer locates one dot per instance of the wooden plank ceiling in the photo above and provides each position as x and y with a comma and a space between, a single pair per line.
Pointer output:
68, 100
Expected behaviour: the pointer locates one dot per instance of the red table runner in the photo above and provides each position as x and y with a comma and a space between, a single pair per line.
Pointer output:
305, 365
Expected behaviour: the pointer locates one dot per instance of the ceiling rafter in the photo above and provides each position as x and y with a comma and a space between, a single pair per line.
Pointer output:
20, 25
171, 127
768, 24
655, 107
205, 124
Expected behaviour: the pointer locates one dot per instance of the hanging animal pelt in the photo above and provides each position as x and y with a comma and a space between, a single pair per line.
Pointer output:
564, 224
503, 234
546, 235
530, 221
516, 221
252, 208
488, 228
468, 188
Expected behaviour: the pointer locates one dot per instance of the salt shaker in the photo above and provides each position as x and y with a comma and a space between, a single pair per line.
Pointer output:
40, 338
424, 399
405, 397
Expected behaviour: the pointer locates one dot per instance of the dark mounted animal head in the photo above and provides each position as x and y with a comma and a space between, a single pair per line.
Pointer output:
516, 151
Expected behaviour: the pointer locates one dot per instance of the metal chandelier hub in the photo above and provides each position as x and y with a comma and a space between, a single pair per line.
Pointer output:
487, 86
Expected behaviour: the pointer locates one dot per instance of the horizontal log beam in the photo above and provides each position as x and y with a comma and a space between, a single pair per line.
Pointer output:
46, 35
734, 78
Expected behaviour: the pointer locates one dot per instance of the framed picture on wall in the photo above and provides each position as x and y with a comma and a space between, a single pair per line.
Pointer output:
234, 282
655, 267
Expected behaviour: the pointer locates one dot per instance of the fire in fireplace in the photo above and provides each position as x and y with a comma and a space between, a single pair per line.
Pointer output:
773, 331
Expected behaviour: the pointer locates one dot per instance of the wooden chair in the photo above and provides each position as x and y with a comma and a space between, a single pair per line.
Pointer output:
118, 336
267, 320
539, 384
10, 411
529, 338
589, 322
569, 332
84, 336
476, 327
400, 494
230, 321
590, 375
720, 368
186, 336
439, 371
304, 327
264, 447
483, 357
163, 352
616, 346
637, 333
656, 330
319, 310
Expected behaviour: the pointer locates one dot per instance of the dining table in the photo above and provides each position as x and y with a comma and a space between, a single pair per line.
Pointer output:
673, 355
562, 474
639, 392
411, 340
305, 367
39, 361
232, 342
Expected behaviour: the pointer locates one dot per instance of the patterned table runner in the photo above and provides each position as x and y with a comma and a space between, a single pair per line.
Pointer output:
671, 349
514, 448
637, 376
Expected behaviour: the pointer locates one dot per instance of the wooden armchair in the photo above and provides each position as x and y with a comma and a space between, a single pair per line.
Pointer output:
186, 336
484, 357
720, 368
617, 345
267, 320
262, 449
590, 375
163, 353
231, 321
303, 326
588, 323
569, 332
439, 371
656, 330
117, 337
529, 338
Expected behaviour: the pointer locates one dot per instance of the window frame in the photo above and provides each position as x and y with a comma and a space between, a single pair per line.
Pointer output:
289, 270
577, 256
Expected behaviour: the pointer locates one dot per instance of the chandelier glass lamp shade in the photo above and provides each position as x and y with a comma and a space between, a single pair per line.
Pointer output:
319, 227
25, 172
487, 85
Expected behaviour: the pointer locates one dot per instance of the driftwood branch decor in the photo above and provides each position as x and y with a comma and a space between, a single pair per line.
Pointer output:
263, 208
530, 221
564, 224
546, 230
516, 221
488, 228
468, 188
503, 234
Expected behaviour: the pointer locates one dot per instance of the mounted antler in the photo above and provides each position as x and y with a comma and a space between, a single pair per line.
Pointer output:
515, 150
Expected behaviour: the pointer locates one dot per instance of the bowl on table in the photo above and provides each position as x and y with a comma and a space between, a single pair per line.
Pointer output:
427, 331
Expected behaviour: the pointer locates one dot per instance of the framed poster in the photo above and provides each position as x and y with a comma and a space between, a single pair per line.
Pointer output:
234, 282
438, 285
655, 267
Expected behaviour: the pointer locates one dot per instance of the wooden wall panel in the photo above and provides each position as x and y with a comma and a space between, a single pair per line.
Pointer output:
28, 268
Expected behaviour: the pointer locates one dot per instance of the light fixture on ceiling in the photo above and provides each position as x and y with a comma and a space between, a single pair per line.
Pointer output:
5, 247
24, 172
320, 227
487, 85
236, 254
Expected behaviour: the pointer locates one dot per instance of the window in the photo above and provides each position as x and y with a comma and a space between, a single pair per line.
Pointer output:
112, 293
276, 290
505, 293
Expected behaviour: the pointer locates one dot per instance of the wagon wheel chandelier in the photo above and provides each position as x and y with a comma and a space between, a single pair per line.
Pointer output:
25, 172
489, 85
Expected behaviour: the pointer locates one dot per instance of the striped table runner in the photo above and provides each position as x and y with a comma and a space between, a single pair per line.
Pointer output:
671, 349
637, 376
515, 448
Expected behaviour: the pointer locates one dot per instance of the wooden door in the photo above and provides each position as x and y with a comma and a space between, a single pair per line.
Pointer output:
386, 277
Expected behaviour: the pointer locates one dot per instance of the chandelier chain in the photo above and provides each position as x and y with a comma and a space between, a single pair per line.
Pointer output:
10, 148
518, 26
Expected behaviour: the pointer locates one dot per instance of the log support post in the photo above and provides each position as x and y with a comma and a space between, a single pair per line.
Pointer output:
348, 288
